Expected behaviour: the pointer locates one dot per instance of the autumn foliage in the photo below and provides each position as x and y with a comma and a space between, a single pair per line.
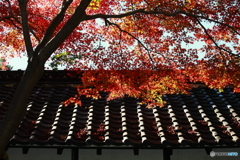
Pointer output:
139, 48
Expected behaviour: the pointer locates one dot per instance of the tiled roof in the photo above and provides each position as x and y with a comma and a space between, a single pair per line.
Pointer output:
62, 77
205, 117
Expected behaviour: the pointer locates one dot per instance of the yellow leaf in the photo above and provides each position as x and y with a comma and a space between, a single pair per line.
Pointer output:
95, 4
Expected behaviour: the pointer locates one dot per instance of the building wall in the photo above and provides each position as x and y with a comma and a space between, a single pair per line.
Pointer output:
118, 154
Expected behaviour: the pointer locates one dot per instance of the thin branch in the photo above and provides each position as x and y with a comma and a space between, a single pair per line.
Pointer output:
52, 27
89, 17
12, 16
33, 33
215, 43
30, 29
110, 23
212, 20
77, 17
120, 47
15, 24
4, 18
146, 2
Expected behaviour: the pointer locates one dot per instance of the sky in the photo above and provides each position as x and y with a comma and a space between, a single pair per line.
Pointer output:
18, 63
21, 63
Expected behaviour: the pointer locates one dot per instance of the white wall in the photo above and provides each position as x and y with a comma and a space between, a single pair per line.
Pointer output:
38, 154
118, 154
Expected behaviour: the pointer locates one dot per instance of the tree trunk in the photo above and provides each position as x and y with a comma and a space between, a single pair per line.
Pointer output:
18, 105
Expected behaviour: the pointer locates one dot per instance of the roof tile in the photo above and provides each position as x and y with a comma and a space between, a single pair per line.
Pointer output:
206, 117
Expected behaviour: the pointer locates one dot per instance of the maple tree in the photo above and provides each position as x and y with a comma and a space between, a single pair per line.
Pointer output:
140, 48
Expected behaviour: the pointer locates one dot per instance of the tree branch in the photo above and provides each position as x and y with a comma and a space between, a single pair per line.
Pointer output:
77, 17
212, 20
12, 16
25, 27
30, 29
110, 23
89, 17
4, 18
215, 43
52, 27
